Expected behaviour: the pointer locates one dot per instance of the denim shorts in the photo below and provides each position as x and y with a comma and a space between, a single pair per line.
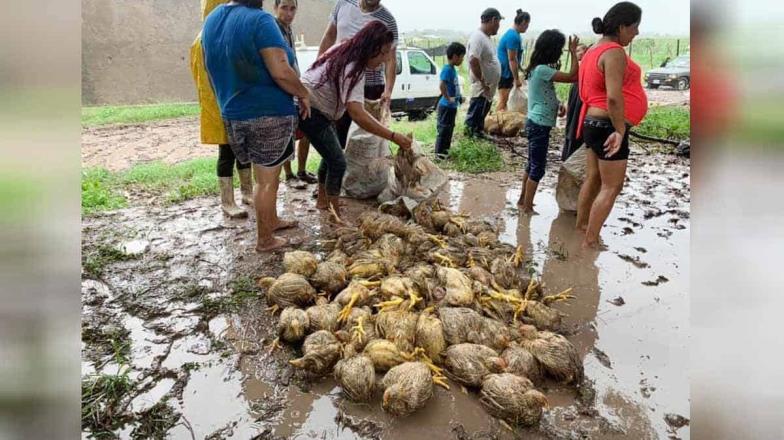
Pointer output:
595, 134
538, 143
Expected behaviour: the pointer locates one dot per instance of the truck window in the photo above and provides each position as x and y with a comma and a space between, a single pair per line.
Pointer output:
399, 69
419, 64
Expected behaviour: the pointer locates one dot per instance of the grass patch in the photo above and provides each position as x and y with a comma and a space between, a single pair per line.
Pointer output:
243, 291
425, 131
134, 114
100, 191
96, 261
669, 122
104, 398
475, 156
155, 422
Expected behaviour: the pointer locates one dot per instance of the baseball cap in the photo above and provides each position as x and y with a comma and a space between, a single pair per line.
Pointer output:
490, 13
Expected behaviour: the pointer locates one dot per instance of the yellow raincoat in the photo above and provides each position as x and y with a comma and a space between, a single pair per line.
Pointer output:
212, 130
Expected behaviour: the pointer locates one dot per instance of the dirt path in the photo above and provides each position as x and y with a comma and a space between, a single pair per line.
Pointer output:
171, 141
196, 349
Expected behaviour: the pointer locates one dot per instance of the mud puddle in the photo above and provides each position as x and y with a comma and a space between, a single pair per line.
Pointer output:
184, 314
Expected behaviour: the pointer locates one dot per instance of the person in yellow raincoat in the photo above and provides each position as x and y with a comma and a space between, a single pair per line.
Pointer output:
213, 131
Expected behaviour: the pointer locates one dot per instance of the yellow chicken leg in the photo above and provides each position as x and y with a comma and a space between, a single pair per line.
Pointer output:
440, 380
439, 242
519, 256
275, 345
532, 285
413, 299
387, 305
563, 296
346, 311
520, 309
273, 309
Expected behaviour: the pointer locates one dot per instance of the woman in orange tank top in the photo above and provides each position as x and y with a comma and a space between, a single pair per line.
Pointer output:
613, 98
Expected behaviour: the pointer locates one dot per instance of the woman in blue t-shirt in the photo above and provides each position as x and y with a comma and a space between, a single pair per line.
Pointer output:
250, 68
510, 55
543, 107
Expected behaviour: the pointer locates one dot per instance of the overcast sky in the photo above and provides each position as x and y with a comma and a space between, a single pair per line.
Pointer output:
573, 16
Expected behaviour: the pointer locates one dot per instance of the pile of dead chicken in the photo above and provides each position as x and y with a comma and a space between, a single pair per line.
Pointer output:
399, 306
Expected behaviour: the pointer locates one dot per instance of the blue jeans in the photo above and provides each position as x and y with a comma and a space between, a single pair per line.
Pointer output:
478, 108
324, 138
445, 127
538, 142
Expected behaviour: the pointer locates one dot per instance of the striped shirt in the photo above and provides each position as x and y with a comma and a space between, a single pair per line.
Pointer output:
349, 19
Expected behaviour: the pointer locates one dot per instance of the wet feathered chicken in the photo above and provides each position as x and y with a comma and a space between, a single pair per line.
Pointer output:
407, 388
323, 316
321, 350
330, 277
300, 262
339, 257
430, 336
399, 327
357, 377
556, 354
360, 327
374, 224
521, 362
469, 364
355, 295
540, 315
293, 324
463, 325
391, 247
384, 354
458, 287
512, 398
287, 290
369, 264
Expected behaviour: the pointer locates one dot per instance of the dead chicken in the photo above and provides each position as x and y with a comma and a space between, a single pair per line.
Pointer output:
360, 328
407, 388
430, 336
422, 275
391, 247
369, 265
505, 273
320, 352
357, 377
374, 224
356, 294
521, 362
300, 262
384, 354
293, 324
477, 273
459, 291
555, 353
486, 238
469, 364
330, 277
540, 315
513, 399
464, 325
352, 242
323, 316
339, 257
289, 289
399, 327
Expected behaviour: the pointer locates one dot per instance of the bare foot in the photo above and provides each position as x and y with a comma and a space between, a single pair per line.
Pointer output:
285, 224
325, 204
272, 244
528, 211
581, 228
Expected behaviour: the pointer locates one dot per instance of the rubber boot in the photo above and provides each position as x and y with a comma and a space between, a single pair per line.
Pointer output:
246, 186
227, 199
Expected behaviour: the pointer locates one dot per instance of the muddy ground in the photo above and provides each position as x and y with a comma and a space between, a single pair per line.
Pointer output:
170, 291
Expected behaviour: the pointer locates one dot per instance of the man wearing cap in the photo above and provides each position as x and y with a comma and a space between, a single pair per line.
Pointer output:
485, 71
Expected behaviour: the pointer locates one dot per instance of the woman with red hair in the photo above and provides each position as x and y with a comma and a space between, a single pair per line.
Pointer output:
336, 82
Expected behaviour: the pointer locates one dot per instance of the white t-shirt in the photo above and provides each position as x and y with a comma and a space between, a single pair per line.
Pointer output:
325, 98
480, 46
349, 19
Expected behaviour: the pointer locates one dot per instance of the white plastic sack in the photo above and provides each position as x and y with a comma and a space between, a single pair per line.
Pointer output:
429, 181
570, 178
367, 157
518, 102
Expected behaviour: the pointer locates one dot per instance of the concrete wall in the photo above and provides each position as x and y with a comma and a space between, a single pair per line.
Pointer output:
137, 51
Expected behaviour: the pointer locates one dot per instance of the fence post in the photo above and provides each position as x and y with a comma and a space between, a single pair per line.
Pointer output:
677, 47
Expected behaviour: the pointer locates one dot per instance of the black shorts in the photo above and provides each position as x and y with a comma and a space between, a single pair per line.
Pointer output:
506, 83
595, 134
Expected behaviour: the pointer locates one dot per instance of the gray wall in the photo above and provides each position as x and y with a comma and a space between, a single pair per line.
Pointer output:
137, 51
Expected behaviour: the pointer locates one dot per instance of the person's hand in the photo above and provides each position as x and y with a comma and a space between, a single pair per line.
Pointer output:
451, 99
574, 41
402, 141
613, 144
304, 107
518, 83
561, 110
386, 98
485, 88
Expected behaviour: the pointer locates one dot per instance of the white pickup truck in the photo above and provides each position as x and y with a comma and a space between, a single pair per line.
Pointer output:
416, 87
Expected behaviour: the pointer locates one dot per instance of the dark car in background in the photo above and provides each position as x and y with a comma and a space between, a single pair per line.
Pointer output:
675, 73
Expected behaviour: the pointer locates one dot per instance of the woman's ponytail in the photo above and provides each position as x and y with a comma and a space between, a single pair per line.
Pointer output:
598, 25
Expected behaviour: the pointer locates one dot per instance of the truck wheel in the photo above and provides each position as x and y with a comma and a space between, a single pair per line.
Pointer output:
653, 86
683, 83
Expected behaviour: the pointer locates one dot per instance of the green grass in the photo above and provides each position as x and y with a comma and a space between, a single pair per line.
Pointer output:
475, 156
134, 114
243, 291
669, 122
103, 399
94, 261
100, 192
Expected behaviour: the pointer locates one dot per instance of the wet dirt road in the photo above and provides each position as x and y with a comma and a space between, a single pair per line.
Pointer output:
183, 297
